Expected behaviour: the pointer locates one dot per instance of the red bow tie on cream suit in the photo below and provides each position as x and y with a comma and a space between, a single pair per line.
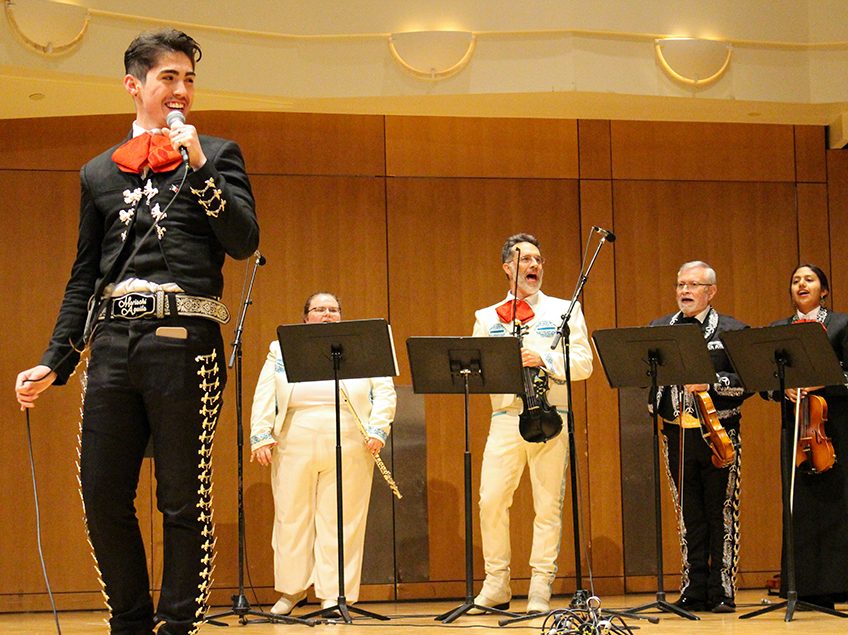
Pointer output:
523, 311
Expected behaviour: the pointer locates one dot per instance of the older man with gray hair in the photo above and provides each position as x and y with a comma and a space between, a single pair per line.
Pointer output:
709, 495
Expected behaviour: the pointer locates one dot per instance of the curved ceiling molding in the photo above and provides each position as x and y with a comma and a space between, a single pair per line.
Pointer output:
692, 61
432, 54
48, 28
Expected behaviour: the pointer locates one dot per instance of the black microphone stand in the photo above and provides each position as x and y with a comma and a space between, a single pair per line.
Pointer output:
563, 336
241, 605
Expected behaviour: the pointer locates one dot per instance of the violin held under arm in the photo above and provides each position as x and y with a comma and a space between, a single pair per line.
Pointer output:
713, 432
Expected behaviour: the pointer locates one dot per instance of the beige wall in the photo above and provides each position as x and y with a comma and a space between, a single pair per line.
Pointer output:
404, 217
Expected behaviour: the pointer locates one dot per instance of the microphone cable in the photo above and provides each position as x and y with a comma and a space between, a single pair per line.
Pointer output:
38, 525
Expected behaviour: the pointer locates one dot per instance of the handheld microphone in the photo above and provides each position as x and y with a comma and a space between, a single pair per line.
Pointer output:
610, 237
175, 118
260, 259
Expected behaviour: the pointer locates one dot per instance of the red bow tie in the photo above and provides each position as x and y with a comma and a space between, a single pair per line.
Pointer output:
154, 150
523, 311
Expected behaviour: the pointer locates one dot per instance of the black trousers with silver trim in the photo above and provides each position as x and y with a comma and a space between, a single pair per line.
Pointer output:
709, 538
142, 385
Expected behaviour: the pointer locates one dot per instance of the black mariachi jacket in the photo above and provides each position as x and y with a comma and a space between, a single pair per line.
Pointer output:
836, 325
726, 393
214, 215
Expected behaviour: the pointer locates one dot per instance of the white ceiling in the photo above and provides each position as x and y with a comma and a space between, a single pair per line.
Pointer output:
535, 58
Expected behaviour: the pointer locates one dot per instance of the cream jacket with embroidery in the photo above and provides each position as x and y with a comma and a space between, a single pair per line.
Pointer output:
372, 399
539, 333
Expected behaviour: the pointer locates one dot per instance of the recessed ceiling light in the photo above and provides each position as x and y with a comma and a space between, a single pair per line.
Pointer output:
37, 96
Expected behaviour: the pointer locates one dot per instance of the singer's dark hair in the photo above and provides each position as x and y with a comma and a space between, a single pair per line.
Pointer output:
316, 294
512, 241
825, 285
144, 51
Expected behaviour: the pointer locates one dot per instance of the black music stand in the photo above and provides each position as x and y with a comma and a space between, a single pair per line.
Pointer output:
338, 350
774, 358
447, 365
655, 356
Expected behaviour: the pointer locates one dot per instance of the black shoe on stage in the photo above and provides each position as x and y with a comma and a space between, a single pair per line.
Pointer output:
725, 605
690, 604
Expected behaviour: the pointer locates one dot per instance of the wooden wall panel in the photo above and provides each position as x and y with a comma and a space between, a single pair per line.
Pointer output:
58, 143
810, 163
456, 146
301, 143
837, 199
702, 151
36, 261
595, 150
813, 228
446, 236
660, 226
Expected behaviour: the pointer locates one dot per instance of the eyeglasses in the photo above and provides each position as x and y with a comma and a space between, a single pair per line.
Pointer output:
692, 285
527, 260
325, 309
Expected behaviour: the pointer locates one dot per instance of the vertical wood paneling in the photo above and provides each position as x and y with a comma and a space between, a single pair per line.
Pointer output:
810, 163
301, 143
424, 252
456, 146
813, 230
36, 260
837, 200
594, 137
702, 151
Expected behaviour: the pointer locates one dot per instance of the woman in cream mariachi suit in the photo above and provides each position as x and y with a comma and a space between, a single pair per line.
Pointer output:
292, 429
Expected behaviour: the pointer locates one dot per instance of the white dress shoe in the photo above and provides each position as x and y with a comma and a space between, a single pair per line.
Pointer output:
495, 594
285, 605
539, 595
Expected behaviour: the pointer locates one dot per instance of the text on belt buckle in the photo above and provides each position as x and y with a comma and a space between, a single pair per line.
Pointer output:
134, 306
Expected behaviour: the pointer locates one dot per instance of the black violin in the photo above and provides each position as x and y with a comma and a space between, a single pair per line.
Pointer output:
539, 422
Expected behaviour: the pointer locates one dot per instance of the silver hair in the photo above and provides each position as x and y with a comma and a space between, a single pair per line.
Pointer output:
699, 264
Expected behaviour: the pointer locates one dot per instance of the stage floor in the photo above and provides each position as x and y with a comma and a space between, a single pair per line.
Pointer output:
417, 617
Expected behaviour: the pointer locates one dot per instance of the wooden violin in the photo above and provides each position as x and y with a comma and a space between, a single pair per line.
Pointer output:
814, 447
713, 432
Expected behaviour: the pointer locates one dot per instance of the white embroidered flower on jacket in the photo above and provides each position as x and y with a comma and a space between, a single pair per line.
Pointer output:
126, 215
132, 197
149, 191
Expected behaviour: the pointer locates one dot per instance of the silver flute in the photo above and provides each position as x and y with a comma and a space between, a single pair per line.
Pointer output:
387, 475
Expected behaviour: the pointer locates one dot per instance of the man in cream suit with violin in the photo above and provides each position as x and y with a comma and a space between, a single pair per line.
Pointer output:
506, 452
709, 531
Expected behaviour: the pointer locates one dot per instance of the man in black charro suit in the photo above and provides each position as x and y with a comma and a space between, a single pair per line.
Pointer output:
709, 531
150, 256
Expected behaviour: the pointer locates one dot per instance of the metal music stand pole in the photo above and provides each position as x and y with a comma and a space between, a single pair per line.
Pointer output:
447, 365
241, 605
772, 358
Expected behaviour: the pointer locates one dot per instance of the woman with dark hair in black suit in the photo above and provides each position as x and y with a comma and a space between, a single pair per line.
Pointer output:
820, 510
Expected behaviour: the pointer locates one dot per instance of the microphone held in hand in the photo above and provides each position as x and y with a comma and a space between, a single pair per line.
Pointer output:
607, 234
174, 119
